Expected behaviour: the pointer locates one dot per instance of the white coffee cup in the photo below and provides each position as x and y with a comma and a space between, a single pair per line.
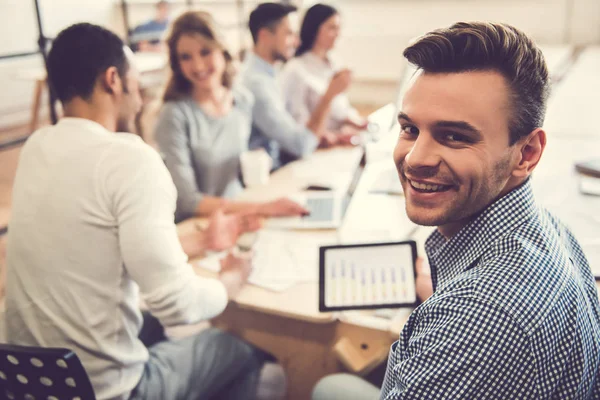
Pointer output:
256, 167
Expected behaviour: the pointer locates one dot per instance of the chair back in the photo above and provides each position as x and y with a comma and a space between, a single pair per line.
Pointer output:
42, 373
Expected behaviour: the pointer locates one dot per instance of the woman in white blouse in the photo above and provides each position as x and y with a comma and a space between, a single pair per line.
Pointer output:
305, 78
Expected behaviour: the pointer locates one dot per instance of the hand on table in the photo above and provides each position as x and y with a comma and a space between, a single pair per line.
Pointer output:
347, 139
235, 270
282, 207
224, 229
330, 139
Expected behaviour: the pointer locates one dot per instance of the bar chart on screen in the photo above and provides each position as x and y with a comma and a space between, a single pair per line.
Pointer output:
369, 276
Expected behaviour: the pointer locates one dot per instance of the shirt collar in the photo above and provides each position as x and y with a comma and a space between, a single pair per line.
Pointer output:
449, 258
258, 64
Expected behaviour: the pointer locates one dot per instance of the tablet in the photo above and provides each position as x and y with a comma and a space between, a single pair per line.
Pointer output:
366, 276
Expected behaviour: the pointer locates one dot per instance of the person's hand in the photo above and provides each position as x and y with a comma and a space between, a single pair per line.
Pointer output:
361, 124
224, 229
234, 273
423, 283
339, 83
328, 139
347, 139
282, 207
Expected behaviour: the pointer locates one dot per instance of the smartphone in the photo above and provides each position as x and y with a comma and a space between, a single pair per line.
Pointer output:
317, 187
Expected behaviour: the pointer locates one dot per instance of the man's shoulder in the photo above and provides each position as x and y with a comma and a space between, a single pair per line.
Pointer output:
175, 108
526, 271
128, 141
128, 150
255, 80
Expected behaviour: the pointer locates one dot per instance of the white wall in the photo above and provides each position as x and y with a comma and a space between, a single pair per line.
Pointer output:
18, 29
16, 96
375, 33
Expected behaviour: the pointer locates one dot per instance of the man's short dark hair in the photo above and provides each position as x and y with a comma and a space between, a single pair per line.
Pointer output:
481, 46
79, 55
268, 15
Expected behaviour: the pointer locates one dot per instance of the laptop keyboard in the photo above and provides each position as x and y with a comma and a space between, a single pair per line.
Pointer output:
321, 209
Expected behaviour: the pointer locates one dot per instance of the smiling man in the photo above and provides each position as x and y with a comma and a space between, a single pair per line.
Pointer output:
515, 312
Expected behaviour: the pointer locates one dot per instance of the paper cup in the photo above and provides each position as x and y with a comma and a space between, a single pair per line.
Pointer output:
256, 167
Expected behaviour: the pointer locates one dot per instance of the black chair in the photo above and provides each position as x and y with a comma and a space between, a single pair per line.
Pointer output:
32, 373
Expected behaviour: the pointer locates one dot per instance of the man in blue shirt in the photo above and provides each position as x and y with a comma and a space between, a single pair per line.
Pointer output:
274, 129
515, 311
148, 36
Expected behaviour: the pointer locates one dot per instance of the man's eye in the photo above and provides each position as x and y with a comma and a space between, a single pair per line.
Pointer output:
409, 130
455, 137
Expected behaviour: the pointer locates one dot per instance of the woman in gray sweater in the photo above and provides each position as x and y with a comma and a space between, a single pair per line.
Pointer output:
204, 124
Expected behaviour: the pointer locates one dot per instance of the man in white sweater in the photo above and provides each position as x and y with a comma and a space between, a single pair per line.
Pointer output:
92, 230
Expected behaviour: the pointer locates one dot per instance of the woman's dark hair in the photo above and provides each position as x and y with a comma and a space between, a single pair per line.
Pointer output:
313, 19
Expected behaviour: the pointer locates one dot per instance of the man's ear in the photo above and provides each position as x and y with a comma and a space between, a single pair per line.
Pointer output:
264, 35
531, 148
111, 82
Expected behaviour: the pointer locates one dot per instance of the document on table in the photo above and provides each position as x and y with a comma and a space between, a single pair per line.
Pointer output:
281, 258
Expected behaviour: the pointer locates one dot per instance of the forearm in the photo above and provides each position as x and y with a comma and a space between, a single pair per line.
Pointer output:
193, 243
210, 204
356, 123
316, 123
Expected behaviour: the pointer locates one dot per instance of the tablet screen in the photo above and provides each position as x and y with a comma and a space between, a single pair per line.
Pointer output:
379, 275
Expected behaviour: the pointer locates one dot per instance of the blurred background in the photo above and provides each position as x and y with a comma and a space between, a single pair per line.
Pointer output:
374, 33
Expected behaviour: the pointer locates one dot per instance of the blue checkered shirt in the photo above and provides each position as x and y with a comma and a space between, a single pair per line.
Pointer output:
515, 313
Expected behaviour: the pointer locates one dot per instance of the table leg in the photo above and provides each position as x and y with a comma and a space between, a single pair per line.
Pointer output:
38, 91
304, 349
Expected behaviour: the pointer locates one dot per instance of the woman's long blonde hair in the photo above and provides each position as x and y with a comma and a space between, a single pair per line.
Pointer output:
193, 23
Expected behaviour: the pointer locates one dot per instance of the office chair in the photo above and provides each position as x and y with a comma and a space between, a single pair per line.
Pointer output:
42, 373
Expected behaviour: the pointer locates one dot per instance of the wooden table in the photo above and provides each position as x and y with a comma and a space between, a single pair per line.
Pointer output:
308, 343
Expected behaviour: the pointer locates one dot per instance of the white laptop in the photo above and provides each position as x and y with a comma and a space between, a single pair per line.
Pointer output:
327, 207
